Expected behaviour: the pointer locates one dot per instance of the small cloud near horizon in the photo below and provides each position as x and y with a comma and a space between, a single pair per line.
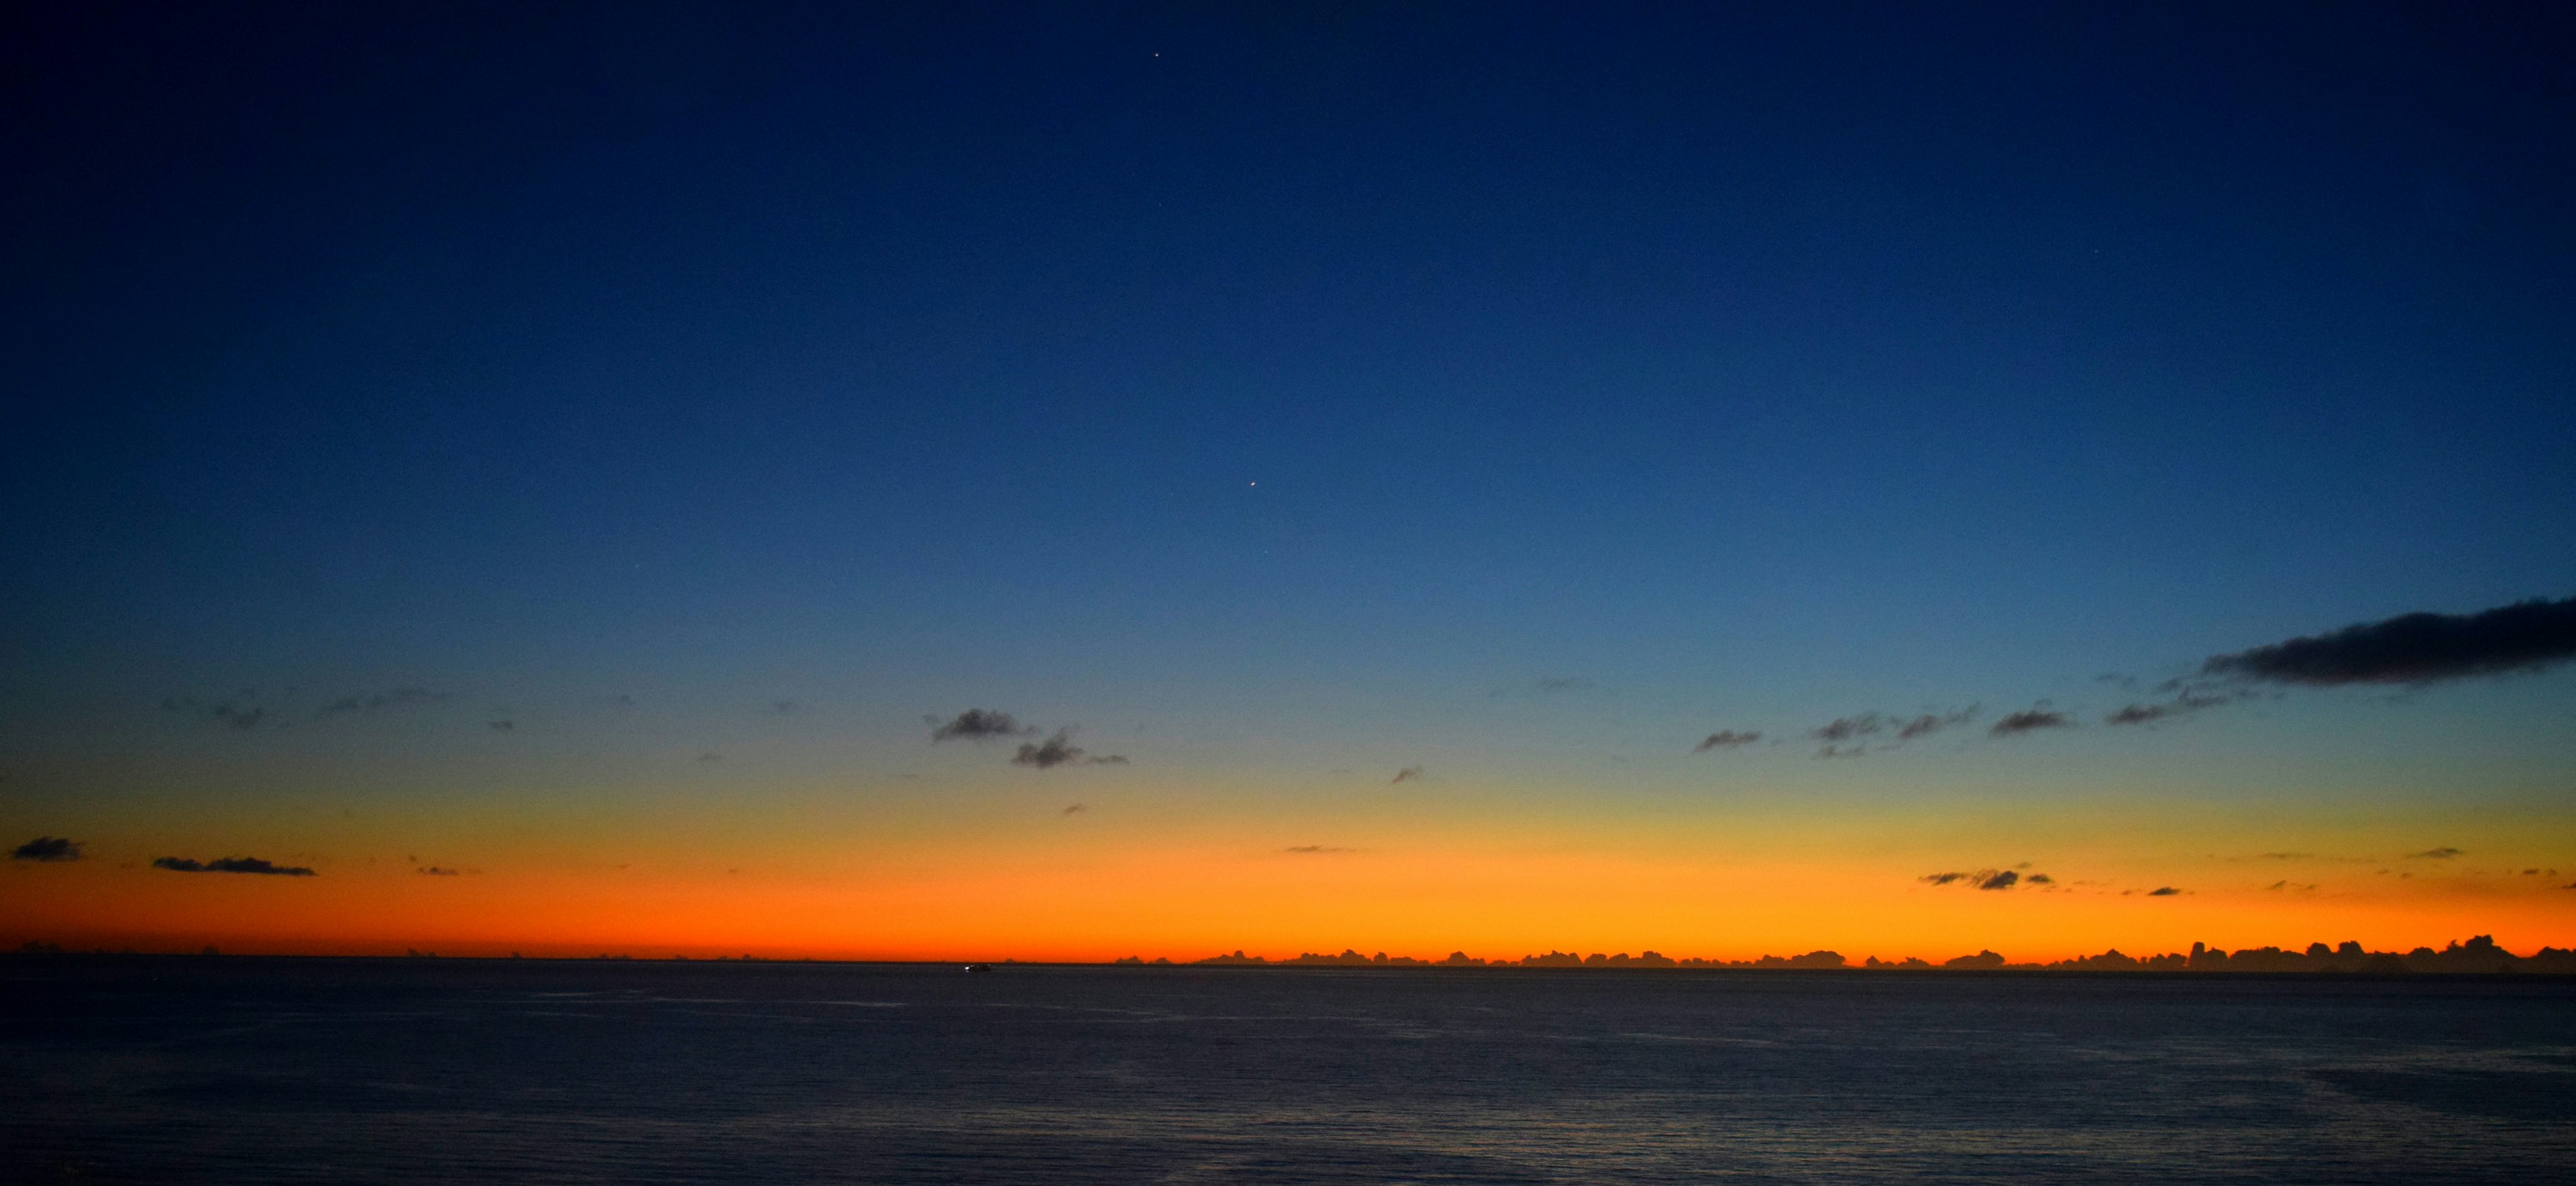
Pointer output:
1986, 879
1930, 723
2029, 720
1059, 750
48, 849
435, 871
1407, 774
229, 713
1727, 739
2164, 891
1075, 809
2436, 854
1315, 849
2416, 648
231, 865
379, 701
977, 724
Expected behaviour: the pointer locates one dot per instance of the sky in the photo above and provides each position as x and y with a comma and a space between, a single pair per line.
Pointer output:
1068, 482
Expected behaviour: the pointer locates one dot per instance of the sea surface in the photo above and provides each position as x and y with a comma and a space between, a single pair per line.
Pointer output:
245, 1070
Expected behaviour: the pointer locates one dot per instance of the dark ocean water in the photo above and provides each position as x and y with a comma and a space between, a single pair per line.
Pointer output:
225, 1070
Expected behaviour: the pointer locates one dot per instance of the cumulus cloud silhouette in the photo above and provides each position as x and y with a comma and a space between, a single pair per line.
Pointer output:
230, 865
47, 848
977, 724
2001, 879
1407, 774
2164, 891
2417, 648
1059, 750
1985, 879
1726, 739
2029, 720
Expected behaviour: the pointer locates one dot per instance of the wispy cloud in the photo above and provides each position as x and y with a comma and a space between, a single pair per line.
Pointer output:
977, 724
230, 865
379, 701
1059, 750
47, 848
2187, 697
1928, 723
2416, 648
1315, 849
502, 726
232, 713
1407, 774
1074, 809
1727, 739
2436, 854
2164, 891
1985, 879
435, 871
2029, 720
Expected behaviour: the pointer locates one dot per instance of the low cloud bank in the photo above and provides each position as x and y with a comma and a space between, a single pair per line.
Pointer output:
2417, 648
48, 849
231, 865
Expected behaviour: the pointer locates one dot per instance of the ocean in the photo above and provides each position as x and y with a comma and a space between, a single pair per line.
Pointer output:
250, 1070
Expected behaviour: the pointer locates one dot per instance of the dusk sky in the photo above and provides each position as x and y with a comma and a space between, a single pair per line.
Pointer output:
563, 478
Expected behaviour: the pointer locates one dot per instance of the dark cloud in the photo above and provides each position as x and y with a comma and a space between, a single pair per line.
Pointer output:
2039, 879
1059, 750
1315, 849
1931, 723
977, 724
2001, 879
1075, 809
1564, 683
1944, 878
1407, 774
1726, 739
503, 726
2187, 698
435, 871
2417, 648
230, 865
47, 848
231, 714
2435, 854
379, 701
1844, 729
2028, 720
1984, 879
2164, 891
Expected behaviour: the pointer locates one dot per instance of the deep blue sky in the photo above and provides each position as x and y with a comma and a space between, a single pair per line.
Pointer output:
1287, 379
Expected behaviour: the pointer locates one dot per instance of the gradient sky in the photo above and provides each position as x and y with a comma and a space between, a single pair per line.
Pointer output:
577, 449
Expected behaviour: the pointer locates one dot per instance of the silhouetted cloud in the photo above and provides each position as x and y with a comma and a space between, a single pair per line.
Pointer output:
1315, 849
2028, 720
379, 701
47, 848
1844, 729
2163, 891
2188, 697
2435, 854
229, 713
230, 865
2001, 879
2416, 648
977, 724
1944, 878
1074, 809
1564, 683
1407, 774
435, 871
1985, 879
1726, 739
2039, 879
1059, 750
1931, 723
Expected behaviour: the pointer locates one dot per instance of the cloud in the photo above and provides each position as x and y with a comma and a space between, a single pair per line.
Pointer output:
2001, 879
379, 701
1944, 878
1929, 723
226, 712
47, 848
1726, 739
2028, 720
1564, 683
2436, 854
2187, 698
1075, 809
2164, 891
977, 724
2039, 879
1407, 774
710, 756
1059, 750
435, 871
503, 726
779, 708
1844, 729
2418, 648
1985, 879
230, 865
1316, 849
